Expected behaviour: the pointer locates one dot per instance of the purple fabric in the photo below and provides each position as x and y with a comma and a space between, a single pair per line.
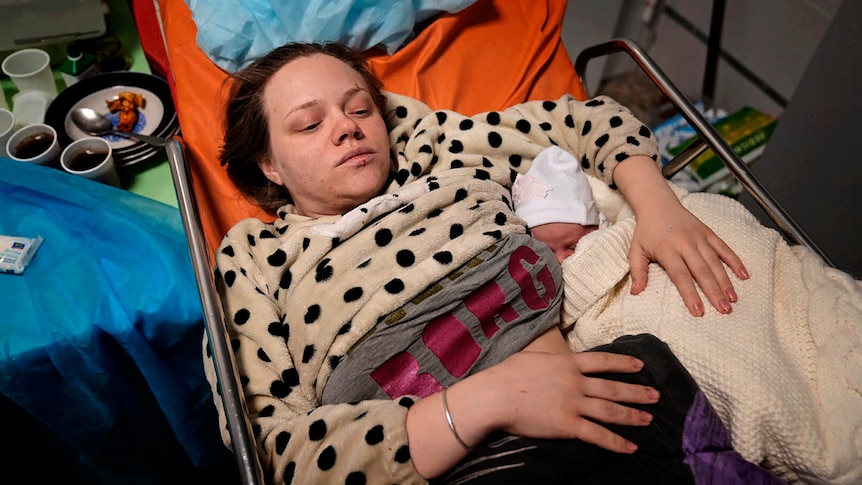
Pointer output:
709, 453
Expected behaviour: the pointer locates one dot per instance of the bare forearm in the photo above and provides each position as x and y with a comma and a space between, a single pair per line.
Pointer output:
642, 184
433, 447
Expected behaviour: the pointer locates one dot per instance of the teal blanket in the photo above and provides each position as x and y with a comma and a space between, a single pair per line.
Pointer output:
100, 337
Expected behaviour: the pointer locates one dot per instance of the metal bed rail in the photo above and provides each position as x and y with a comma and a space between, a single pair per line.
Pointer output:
708, 137
242, 440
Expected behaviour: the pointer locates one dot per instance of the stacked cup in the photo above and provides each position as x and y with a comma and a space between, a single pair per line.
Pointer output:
34, 141
30, 70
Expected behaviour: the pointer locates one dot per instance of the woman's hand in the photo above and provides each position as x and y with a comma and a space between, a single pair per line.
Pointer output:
688, 251
536, 394
550, 396
670, 235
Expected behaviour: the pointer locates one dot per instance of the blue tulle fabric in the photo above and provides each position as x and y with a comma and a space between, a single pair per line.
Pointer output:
233, 33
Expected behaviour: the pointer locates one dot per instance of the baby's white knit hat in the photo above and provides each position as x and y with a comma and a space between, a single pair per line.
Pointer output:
555, 189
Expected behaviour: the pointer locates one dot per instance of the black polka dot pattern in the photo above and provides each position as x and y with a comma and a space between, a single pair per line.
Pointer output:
289, 471
356, 478
317, 430
326, 460
374, 435
405, 258
241, 316
278, 258
281, 441
353, 294
312, 314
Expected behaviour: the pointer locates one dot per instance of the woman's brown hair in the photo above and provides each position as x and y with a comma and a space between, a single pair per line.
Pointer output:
246, 138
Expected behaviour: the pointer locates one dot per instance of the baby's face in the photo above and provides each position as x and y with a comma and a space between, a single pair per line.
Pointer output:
561, 237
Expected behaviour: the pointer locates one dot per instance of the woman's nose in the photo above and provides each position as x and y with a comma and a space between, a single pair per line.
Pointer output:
347, 128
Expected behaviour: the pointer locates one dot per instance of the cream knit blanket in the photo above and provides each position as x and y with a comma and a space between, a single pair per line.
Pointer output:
784, 370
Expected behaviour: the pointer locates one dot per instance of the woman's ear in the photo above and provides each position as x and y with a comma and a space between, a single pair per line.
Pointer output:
268, 167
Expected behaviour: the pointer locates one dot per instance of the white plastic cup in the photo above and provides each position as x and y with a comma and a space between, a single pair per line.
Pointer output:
30, 69
7, 127
34, 144
92, 158
29, 107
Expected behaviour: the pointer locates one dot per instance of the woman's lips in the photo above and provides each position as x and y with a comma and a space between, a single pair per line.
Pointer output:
357, 157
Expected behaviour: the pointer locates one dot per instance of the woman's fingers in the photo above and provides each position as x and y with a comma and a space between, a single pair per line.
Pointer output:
612, 392
680, 272
705, 264
723, 253
608, 390
609, 412
598, 435
639, 269
684, 271
712, 277
600, 362
601, 404
694, 257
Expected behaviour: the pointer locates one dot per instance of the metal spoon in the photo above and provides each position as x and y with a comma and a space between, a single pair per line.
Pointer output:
96, 124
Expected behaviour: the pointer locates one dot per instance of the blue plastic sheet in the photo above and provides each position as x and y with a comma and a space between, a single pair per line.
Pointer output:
100, 337
232, 33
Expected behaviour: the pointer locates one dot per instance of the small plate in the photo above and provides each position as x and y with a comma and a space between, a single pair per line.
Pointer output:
158, 117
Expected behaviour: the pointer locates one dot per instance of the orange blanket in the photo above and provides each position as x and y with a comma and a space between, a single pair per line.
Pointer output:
489, 56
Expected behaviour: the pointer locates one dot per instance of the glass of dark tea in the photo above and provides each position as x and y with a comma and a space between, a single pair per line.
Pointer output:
92, 158
34, 144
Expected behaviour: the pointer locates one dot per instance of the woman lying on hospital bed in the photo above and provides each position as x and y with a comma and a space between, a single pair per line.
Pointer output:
396, 271
781, 369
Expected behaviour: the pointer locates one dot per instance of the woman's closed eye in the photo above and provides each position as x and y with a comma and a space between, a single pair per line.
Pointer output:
359, 111
359, 104
305, 123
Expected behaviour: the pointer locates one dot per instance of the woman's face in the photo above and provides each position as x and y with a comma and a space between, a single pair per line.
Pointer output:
328, 143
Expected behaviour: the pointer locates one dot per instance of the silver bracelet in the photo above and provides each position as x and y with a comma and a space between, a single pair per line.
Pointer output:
452, 423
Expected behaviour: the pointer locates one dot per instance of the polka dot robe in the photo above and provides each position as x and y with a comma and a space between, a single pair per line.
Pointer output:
299, 293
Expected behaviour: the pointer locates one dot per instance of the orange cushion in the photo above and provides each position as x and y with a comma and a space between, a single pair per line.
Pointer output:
490, 56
